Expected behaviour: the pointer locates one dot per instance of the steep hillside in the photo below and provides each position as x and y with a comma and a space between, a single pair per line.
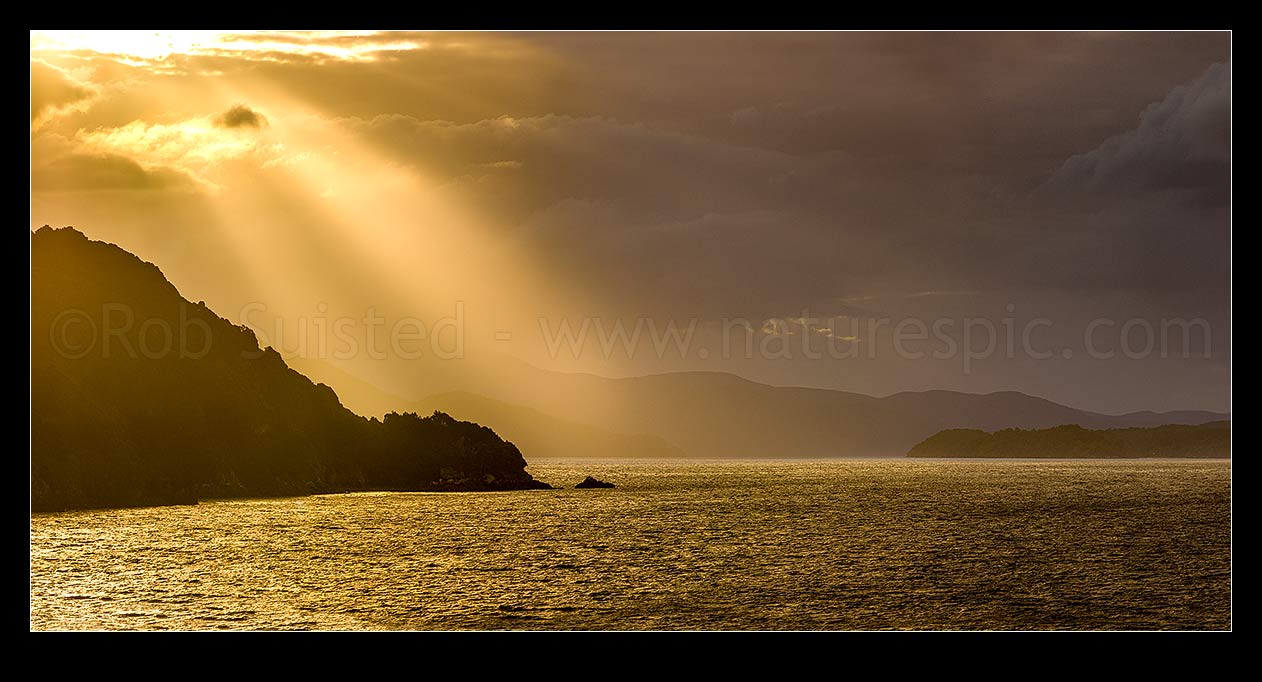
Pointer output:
139, 396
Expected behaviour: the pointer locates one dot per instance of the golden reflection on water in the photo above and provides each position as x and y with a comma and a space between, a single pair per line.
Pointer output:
677, 545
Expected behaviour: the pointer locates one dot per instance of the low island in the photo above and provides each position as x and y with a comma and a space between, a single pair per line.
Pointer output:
1206, 441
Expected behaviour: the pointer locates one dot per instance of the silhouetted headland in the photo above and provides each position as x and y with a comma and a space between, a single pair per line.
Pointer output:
140, 397
1175, 440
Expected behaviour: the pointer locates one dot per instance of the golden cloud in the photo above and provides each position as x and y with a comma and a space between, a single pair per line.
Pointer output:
193, 146
53, 90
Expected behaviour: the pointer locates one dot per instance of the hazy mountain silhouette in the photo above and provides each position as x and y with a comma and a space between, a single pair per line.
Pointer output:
1178, 440
712, 414
533, 431
139, 397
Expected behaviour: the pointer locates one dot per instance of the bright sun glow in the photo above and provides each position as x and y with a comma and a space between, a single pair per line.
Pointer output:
158, 45
139, 44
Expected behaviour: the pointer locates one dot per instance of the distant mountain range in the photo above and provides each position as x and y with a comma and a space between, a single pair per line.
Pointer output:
1174, 440
709, 414
140, 397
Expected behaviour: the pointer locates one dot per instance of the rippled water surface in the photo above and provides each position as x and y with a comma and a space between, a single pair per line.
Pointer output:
677, 545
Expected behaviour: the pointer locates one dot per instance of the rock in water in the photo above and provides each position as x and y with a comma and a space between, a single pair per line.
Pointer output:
590, 482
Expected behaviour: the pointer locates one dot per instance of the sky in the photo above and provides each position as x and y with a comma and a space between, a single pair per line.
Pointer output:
782, 201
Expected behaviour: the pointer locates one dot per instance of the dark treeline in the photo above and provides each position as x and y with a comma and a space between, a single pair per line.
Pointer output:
1175, 440
141, 397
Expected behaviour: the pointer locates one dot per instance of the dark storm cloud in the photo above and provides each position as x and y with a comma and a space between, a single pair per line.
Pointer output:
1181, 142
241, 116
1147, 210
680, 219
962, 102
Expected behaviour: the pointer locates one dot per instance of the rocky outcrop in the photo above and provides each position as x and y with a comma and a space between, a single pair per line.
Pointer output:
590, 482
